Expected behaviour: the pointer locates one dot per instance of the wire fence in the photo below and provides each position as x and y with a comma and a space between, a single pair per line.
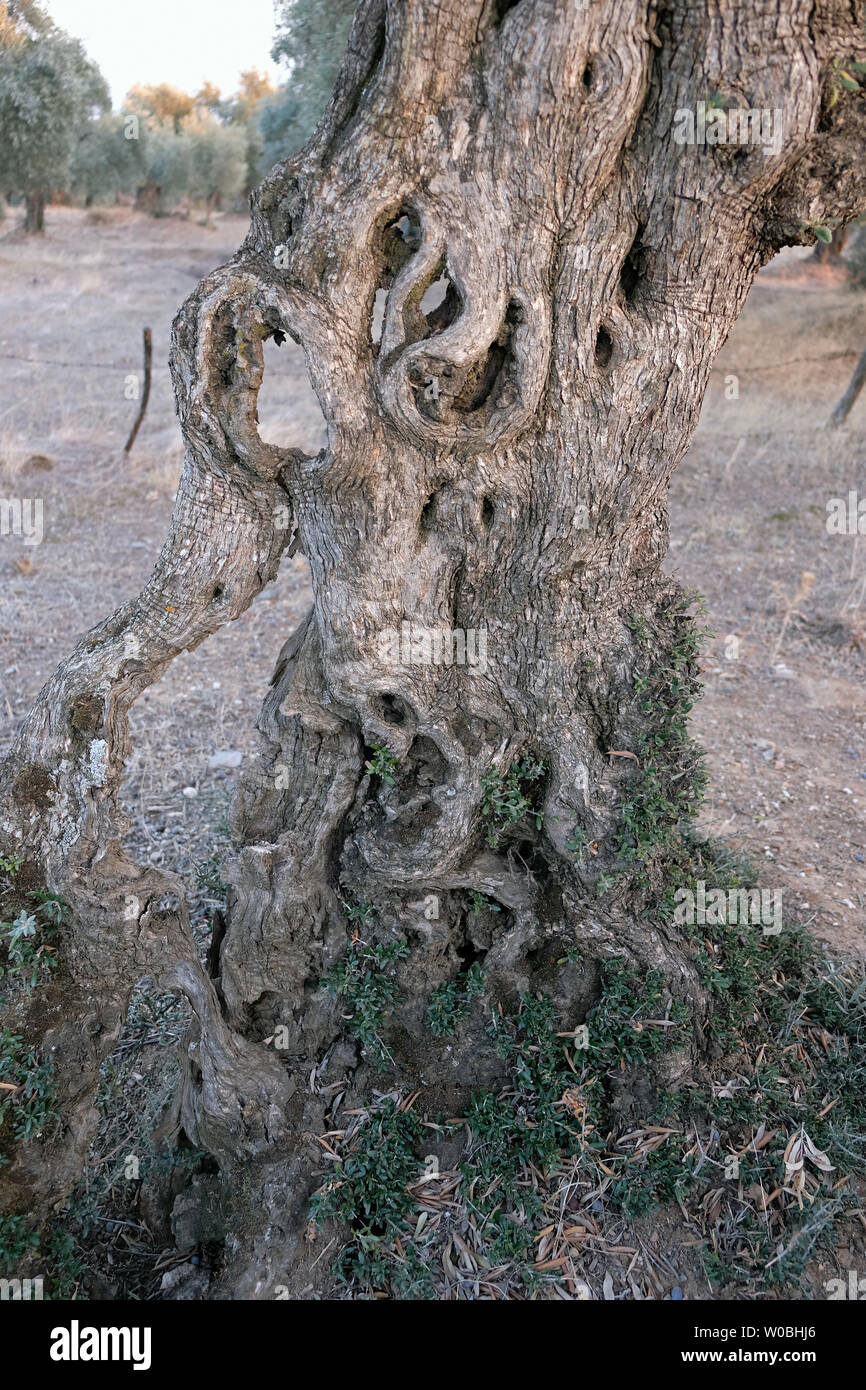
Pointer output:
81, 366
163, 366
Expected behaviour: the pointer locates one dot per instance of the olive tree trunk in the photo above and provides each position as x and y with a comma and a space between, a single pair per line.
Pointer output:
488, 696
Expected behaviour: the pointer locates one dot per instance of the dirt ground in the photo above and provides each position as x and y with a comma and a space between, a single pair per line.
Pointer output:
784, 715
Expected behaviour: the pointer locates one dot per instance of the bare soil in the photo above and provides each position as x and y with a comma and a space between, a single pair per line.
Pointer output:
783, 721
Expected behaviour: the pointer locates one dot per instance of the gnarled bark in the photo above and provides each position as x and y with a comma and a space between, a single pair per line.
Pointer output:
497, 465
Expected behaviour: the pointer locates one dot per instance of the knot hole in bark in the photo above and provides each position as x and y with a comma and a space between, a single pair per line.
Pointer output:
603, 348
457, 353
634, 267
453, 508
491, 381
502, 8
278, 203
394, 242
410, 796
392, 709
236, 333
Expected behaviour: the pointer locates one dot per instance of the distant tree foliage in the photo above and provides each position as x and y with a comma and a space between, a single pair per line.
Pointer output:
204, 163
167, 146
204, 147
280, 127
243, 110
49, 91
253, 87
164, 103
106, 161
209, 96
217, 160
310, 42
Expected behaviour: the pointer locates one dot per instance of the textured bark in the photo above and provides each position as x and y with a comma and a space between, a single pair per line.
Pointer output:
500, 464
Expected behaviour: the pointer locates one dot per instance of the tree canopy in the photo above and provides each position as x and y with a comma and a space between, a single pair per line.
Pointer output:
59, 135
49, 90
310, 42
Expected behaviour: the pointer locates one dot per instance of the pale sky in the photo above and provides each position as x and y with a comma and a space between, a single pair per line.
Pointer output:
182, 42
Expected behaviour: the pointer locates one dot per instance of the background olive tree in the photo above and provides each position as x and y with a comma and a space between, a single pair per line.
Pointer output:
49, 90
310, 42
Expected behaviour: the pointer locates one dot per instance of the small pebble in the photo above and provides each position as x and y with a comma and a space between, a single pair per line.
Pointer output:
676, 1292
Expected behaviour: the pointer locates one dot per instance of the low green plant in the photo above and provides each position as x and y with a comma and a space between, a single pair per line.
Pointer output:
509, 796
548, 1113
620, 1030
848, 77
359, 912
795, 1021
26, 942
578, 841
383, 764
662, 799
821, 231
365, 978
787, 1061
539, 1120
572, 955
479, 902
451, 1001
26, 930
662, 1176
367, 1190
18, 1239
31, 1076
209, 876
